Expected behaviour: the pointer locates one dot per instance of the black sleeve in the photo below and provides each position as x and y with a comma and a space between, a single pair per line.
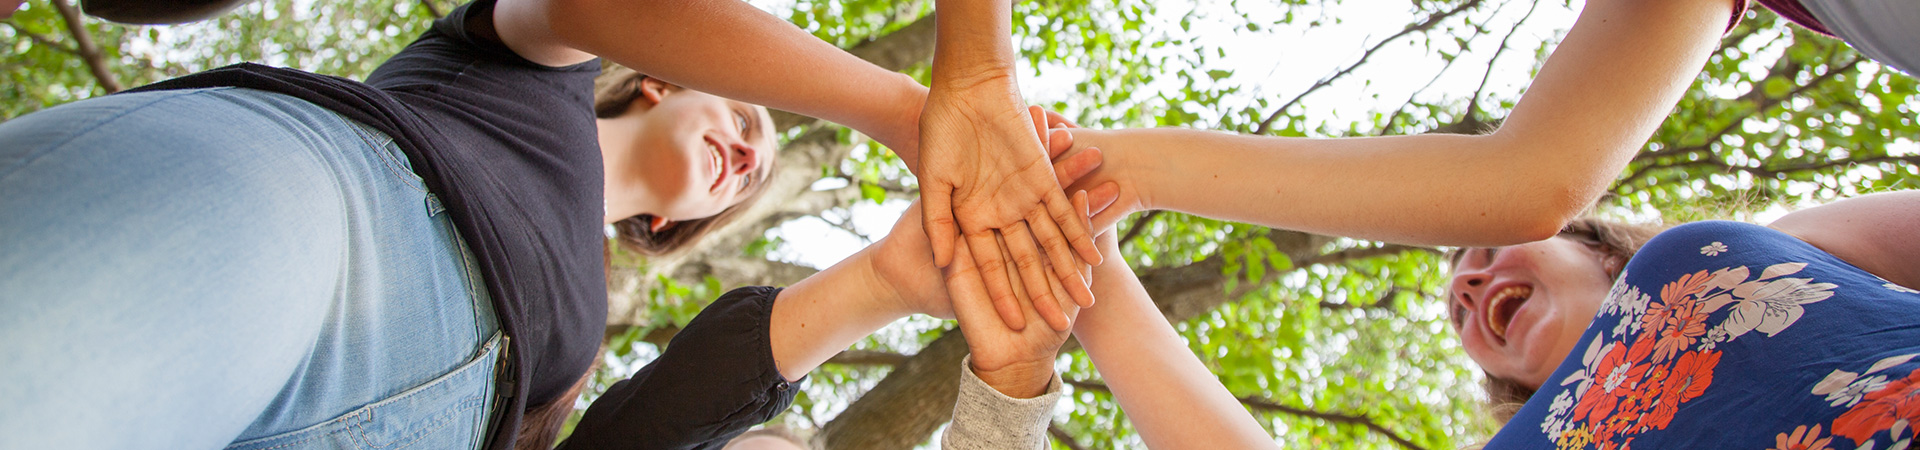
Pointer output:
716, 379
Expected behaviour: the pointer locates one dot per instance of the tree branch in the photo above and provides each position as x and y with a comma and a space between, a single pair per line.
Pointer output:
897, 51
433, 9
84, 46
1267, 123
868, 358
1139, 226
1762, 103
1061, 436
41, 39
1264, 405
1473, 104
905, 407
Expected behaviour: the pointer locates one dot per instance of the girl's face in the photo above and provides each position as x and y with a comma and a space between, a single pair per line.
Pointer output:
1521, 309
695, 153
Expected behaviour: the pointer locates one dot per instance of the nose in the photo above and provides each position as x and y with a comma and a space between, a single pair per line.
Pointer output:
1467, 287
746, 159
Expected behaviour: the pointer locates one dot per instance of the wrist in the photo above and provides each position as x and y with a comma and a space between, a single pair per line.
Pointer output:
1021, 380
1131, 166
903, 131
885, 298
973, 42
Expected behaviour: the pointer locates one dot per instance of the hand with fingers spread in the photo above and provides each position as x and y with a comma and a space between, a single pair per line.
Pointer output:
1004, 192
903, 259
984, 170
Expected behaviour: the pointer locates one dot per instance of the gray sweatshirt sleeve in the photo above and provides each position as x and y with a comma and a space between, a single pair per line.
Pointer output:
985, 419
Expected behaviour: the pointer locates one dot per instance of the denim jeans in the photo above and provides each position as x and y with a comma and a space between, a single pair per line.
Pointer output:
227, 267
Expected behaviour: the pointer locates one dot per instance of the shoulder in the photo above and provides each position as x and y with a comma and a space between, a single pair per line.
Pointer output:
467, 44
1876, 232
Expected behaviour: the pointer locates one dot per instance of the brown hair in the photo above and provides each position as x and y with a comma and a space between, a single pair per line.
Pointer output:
541, 424
1616, 242
613, 95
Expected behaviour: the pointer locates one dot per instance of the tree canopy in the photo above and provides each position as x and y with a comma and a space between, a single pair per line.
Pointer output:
1332, 342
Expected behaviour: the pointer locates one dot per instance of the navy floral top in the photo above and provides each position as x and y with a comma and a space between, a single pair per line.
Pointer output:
1726, 335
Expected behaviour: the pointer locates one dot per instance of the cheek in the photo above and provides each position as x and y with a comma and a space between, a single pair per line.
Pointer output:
1481, 353
1559, 343
665, 169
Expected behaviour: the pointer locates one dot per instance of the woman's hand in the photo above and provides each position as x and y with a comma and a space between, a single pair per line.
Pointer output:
1118, 174
986, 174
1016, 362
904, 260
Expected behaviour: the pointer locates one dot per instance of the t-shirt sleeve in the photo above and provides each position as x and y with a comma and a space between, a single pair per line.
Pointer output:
715, 380
458, 44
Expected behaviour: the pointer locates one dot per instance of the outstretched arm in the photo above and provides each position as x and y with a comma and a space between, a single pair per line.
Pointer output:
986, 176
1172, 399
1604, 90
688, 396
727, 48
1879, 233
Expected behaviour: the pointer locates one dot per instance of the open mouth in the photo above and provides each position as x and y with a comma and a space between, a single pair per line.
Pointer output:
718, 162
1503, 305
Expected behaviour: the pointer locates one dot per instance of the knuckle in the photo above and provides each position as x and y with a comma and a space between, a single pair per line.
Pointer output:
1053, 241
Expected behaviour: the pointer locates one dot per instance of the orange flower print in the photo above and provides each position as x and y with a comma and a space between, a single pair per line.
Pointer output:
1672, 296
1685, 288
1685, 322
1900, 400
1692, 373
1622, 421
1617, 374
1801, 439
1655, 320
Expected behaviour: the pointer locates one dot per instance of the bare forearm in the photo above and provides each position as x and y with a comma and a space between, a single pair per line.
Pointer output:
975, 41
1429, 189
1172, 399
1595, 102
731, 49
829, 311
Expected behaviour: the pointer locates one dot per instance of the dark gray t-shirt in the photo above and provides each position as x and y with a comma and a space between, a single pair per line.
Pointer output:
511, 148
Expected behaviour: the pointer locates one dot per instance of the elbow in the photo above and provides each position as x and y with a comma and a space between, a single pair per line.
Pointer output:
1539, 228
1543, 217
1560, 184
1529, 212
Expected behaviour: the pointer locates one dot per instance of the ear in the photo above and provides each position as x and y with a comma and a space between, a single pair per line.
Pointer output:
1613, 265
652, 90
658, 224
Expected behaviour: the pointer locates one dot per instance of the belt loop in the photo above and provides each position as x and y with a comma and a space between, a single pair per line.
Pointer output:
434, 208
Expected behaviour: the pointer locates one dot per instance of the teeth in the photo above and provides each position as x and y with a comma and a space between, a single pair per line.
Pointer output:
713, 154
1496, 319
